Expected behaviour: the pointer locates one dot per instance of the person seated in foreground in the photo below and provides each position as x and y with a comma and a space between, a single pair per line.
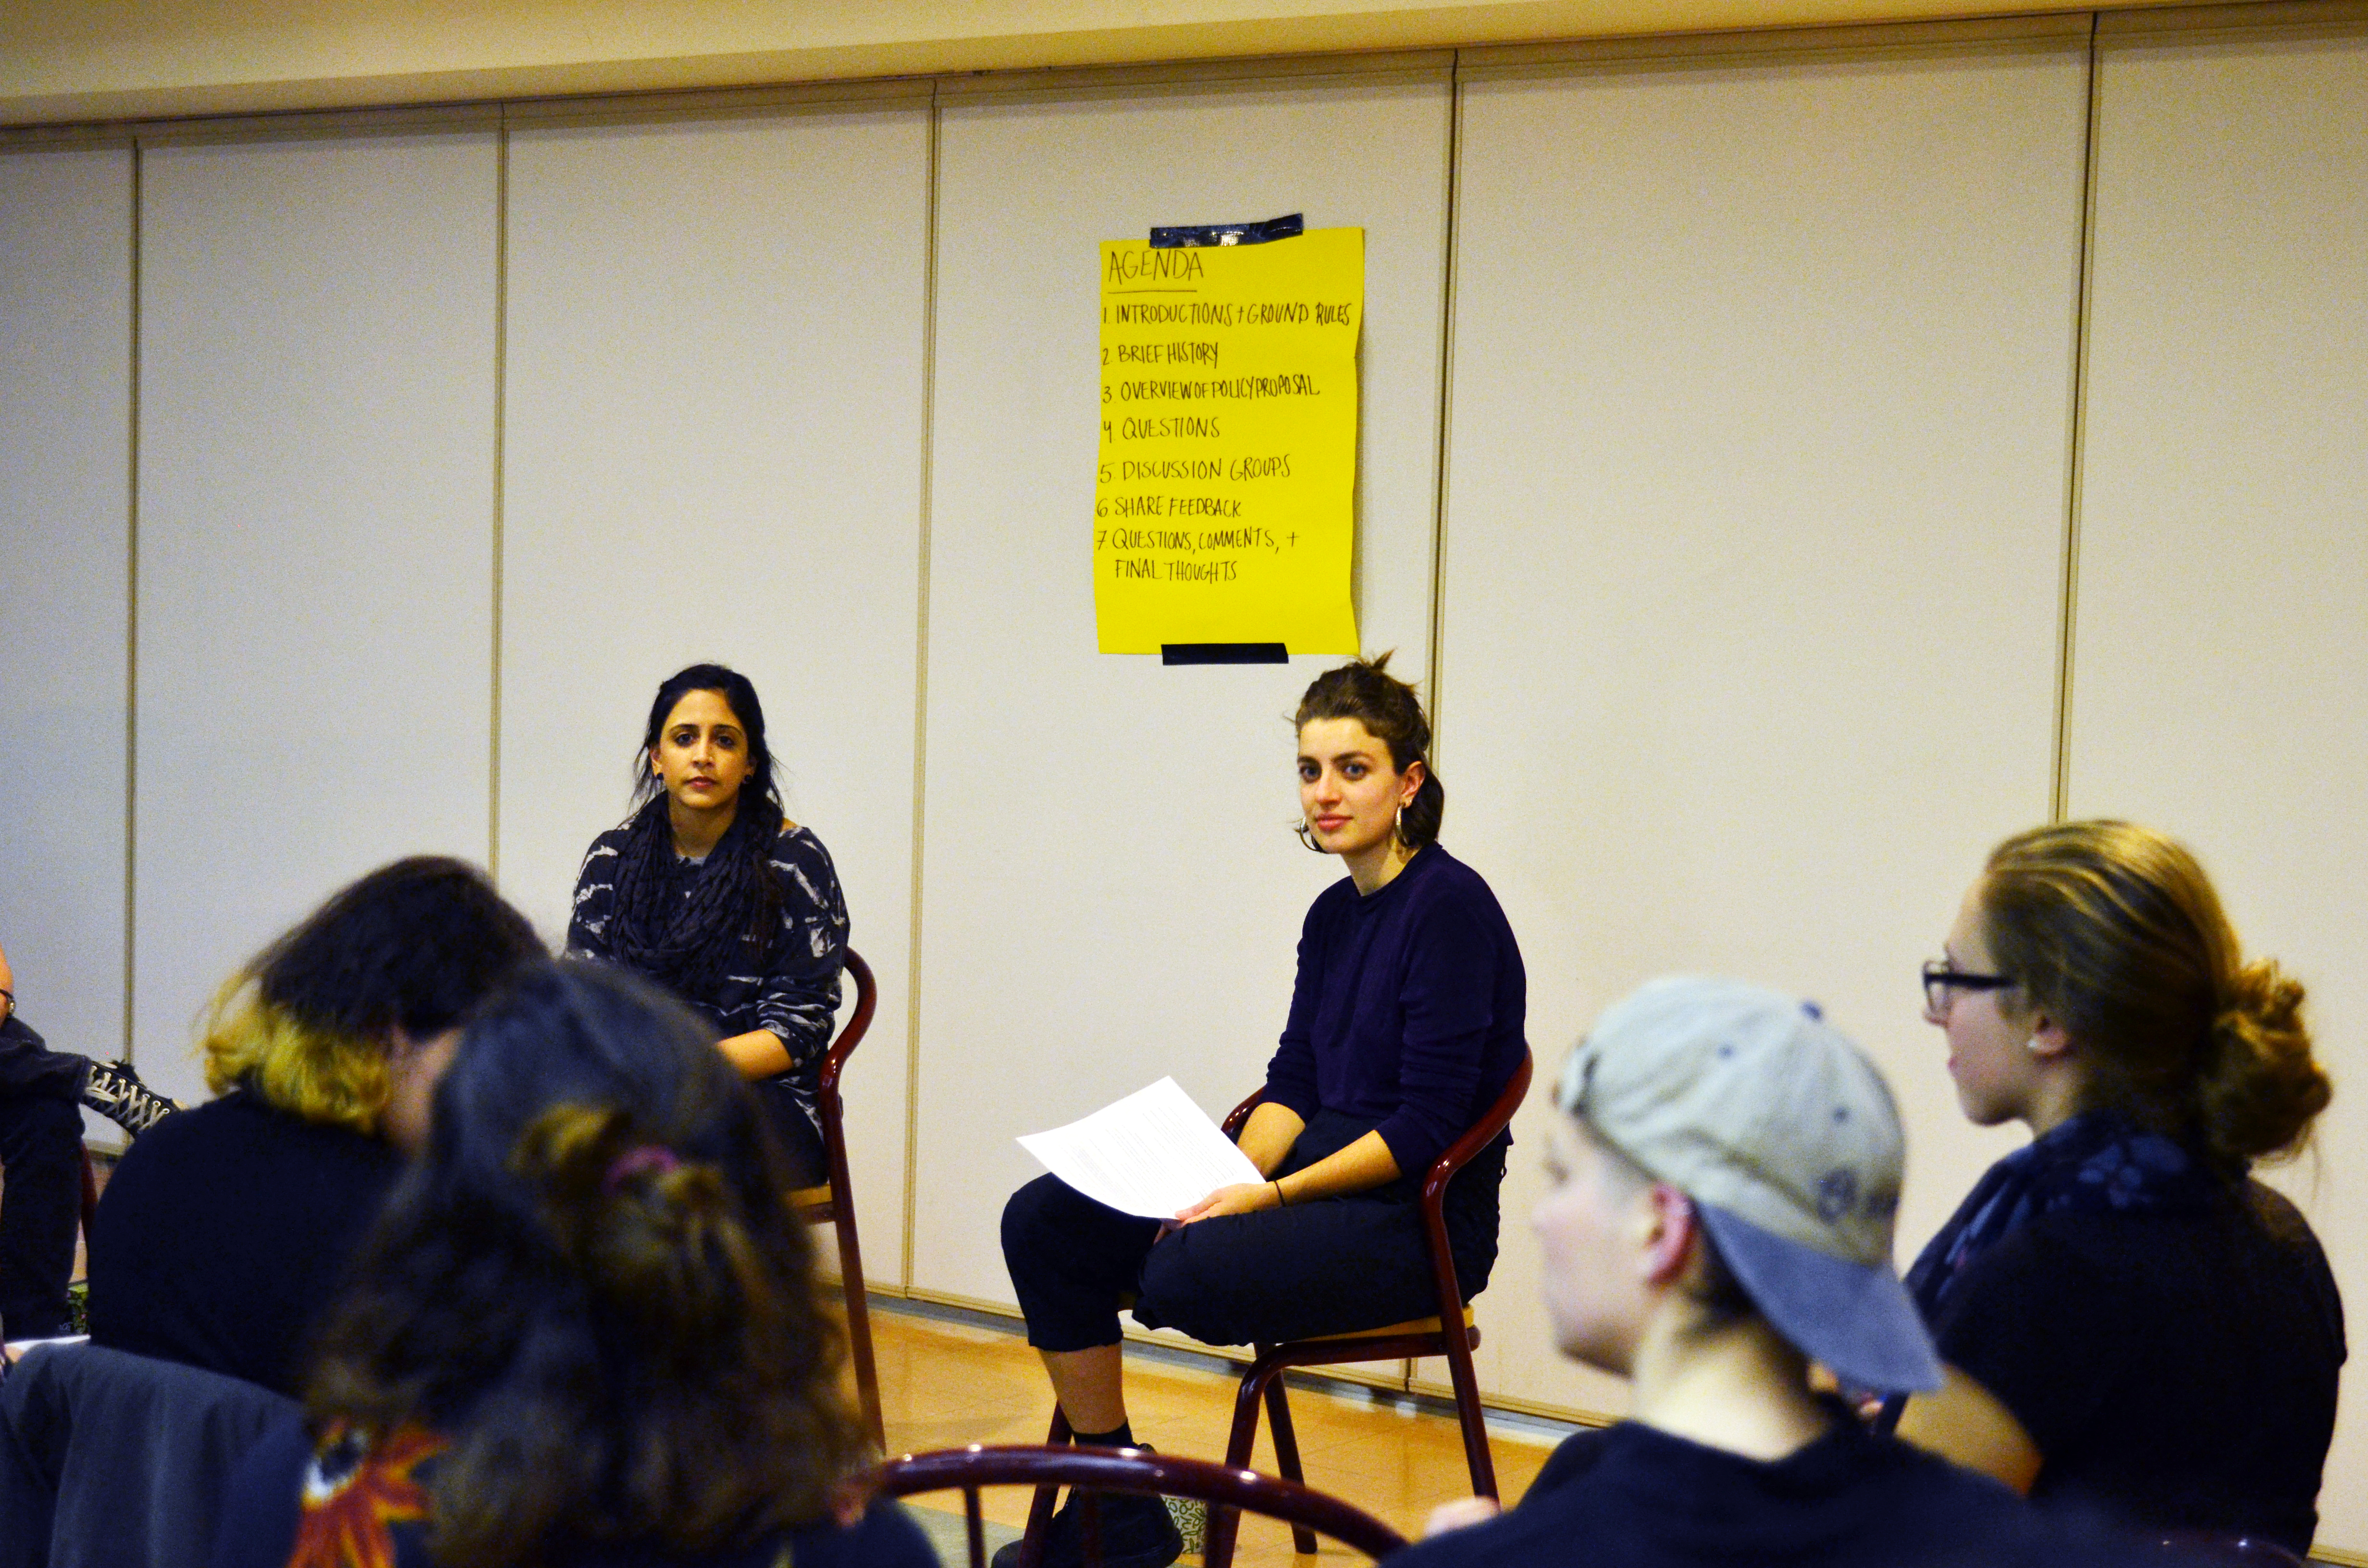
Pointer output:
221, 1237
42, 1092
2093, 990
585, 1331
1724, 1179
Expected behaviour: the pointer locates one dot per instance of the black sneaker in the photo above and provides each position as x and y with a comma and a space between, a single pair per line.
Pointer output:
115, 1091
1136, 1532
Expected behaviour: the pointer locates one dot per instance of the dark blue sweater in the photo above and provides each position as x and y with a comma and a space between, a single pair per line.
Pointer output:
1408, 1008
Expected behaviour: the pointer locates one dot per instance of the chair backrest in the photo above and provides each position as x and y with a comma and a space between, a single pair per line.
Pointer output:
850, 1034
1133, 1471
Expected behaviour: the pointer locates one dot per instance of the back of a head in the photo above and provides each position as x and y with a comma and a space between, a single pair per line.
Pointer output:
591, 1284
2115, 931
411, 946
1785, 1138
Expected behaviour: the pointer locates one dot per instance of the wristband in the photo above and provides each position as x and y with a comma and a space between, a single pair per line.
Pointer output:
1279, 1200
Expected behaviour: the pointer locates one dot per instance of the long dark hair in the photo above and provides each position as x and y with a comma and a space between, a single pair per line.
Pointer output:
589, 1283
2114, 930
733, 915
1392, 714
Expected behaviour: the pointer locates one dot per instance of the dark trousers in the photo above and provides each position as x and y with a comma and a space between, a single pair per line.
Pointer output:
799, 1140
1332, 1266
40, 1181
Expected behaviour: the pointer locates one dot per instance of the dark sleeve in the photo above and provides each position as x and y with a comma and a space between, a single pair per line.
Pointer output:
596, 900
1449, 997
1290, 1074
260, 1508
800, 1000
2042, 1326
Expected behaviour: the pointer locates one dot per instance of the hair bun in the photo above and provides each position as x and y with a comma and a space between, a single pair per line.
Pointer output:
2261, 1088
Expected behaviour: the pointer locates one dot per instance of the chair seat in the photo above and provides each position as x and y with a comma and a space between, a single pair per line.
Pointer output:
1405, 1330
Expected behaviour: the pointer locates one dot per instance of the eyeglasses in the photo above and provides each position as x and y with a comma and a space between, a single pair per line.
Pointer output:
1940, 979
11, 1008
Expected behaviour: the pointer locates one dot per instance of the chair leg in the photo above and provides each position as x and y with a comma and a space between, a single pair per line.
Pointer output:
1225, 1523
1468, 1411
1039, 1511
1286, 1455
858, 1319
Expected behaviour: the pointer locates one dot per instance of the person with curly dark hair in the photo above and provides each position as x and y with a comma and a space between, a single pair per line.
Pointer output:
1405, 1023
2131, 1322
222, 1236
585, 1330
709, 890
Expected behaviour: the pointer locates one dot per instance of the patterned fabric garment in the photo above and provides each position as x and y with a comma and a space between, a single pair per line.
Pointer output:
794, 992
356, 1493
2095, 1163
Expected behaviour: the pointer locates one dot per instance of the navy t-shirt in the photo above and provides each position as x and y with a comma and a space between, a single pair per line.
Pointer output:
224, 1236
1633, 1496
1408, 1008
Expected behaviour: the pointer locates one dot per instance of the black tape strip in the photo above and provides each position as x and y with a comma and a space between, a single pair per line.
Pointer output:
1224, 653
1290, 225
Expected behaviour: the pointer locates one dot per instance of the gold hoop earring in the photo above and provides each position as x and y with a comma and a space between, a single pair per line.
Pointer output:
1306, 835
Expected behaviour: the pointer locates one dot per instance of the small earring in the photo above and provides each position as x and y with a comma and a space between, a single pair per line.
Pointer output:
2032, 1045
1306, 835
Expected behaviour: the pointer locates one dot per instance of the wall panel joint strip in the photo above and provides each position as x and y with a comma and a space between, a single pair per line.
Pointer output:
921, 689
2067, 613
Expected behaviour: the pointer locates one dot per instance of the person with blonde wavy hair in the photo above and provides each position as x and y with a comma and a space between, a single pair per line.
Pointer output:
2130, 1323
223, 1234
585, 1330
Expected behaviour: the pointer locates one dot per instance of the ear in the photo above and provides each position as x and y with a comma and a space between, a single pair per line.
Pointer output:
1414, 776
1670, 1224
2048, 1043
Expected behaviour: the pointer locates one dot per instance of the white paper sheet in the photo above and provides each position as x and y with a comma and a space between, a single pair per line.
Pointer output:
1154, 1153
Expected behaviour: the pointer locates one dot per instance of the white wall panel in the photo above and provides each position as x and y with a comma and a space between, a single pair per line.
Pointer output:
315, 553
713, 452
2220, 677
1753, 546
65, 498
1110, 890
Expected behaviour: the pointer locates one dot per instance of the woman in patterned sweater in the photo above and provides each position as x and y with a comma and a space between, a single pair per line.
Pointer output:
709, 890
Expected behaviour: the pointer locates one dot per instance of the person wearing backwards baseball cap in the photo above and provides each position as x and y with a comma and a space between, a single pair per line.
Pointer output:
1724, 1179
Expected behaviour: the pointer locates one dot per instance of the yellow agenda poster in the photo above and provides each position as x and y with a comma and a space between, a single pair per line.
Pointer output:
1225, 497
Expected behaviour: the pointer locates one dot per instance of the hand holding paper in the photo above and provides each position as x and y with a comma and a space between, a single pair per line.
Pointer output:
1154, 1153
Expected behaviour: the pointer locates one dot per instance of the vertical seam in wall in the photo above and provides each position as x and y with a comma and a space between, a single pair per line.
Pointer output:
2067, 610
921, 689
500, 479
1436, 664
1446, 394
132, 625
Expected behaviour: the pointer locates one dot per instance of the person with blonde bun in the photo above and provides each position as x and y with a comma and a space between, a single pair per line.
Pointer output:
2131, 1322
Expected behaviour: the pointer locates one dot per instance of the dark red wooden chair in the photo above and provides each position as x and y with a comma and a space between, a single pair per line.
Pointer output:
832, 1202
1228, 1489
1263, 1383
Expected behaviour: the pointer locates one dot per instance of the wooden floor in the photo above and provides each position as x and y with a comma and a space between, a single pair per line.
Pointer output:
944, 1384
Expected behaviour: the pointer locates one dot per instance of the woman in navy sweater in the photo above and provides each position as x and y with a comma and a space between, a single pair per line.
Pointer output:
1406, 1022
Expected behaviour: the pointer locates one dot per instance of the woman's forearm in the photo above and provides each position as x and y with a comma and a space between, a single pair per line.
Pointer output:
1267, 1135
759, 1053
1367, 1163
1966, 1425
